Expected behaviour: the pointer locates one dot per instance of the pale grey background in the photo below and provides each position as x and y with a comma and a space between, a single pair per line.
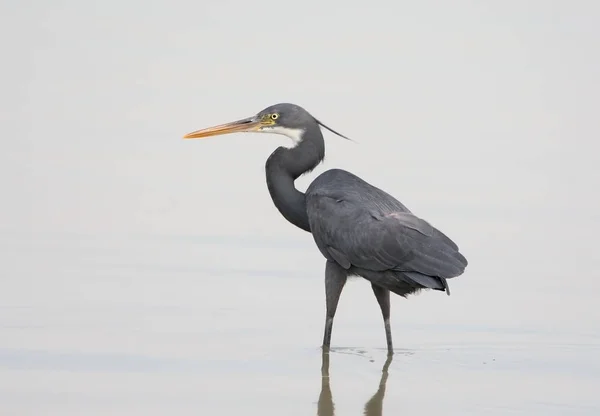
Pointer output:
129, 255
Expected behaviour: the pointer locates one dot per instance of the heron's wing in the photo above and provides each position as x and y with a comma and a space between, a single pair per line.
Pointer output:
356, 232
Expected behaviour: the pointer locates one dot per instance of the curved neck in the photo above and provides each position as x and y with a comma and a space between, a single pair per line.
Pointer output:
284, 166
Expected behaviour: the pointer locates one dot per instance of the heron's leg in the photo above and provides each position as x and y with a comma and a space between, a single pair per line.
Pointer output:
335, 279
383, 297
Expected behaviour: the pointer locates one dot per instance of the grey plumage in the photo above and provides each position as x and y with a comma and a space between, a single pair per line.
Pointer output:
360, 229
371, 234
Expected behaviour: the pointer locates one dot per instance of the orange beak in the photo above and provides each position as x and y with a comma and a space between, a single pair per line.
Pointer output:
249, 124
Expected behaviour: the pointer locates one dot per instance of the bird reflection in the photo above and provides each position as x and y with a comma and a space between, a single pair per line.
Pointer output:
374, 407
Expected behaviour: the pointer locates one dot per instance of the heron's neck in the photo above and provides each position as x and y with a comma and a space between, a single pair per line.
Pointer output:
284, 166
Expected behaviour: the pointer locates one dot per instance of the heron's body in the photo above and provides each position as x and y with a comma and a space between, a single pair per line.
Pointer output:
358, 228
371, 234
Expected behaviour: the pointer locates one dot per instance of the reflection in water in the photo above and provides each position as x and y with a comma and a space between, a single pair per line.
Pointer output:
374, 407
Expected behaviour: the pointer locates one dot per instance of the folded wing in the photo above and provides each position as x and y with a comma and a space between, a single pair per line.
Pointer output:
362, 234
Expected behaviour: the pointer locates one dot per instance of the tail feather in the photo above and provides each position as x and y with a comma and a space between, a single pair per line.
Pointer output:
425, 281
403, 283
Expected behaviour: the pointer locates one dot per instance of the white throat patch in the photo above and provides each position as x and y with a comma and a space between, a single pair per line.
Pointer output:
294, 134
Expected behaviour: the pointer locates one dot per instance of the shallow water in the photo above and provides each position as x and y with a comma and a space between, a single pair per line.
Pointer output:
157, 324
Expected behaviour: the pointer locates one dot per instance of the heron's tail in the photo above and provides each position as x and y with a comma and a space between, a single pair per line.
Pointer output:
403, 283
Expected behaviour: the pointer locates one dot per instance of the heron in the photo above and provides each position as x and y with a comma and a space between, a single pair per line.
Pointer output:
360, 229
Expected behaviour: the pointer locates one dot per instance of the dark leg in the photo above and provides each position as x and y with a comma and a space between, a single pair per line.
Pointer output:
335, 279
383, 297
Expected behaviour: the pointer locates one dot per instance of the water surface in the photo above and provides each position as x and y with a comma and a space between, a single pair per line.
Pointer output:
156, 324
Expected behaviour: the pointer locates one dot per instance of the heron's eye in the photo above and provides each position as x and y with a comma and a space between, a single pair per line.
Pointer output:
274, 116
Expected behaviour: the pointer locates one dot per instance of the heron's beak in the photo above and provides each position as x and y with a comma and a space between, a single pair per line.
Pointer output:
247, 124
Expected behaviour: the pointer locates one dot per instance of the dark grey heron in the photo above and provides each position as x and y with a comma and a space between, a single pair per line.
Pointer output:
360, 229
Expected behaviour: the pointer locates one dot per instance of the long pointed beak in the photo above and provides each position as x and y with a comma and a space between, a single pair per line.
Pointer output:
247, 124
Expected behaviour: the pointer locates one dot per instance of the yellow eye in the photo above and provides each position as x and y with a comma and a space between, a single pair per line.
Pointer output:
274, 116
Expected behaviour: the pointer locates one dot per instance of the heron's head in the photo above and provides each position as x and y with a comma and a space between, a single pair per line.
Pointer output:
287, 119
